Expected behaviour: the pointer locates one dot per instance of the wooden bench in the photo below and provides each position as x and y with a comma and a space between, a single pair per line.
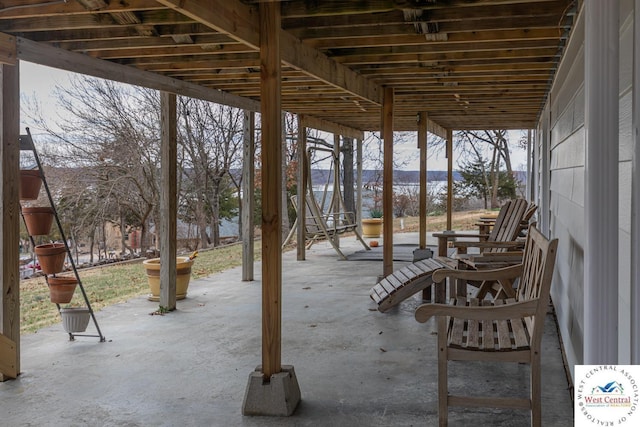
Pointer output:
500, 330
321, 226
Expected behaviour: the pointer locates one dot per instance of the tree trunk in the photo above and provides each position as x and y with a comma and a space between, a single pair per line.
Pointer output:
494, 178
215, 213
285, 196
123, 237
347, 179
92, 239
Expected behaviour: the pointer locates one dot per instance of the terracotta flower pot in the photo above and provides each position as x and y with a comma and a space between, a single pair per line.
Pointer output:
51, 257
30, 183
38, 220
183, 268
75, 319
61, 289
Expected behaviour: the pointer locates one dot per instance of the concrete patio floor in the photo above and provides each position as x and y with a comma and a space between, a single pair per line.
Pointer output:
355, 366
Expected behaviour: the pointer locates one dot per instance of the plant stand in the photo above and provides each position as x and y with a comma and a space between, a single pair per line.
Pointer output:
76, 319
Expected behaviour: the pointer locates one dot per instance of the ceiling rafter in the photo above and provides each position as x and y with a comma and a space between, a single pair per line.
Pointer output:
464, 62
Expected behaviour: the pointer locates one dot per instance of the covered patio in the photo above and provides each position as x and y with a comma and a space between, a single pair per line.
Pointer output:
567, 69
356, 366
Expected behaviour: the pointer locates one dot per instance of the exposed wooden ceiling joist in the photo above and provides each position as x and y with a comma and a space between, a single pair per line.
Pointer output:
240, 22
467, 63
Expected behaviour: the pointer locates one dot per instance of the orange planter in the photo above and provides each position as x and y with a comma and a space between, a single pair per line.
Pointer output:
30, 183
38, 220
51, 257
61, 289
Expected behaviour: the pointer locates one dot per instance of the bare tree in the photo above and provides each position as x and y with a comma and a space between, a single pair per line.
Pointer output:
476, 144
212, 142
110, 132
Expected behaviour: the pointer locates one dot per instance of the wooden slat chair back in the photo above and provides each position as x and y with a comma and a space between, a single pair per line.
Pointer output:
503, 236
508, 229
501, 331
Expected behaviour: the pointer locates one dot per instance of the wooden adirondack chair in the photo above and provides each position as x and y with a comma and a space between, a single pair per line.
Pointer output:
416, 277
485, 224
501, 331
503, 234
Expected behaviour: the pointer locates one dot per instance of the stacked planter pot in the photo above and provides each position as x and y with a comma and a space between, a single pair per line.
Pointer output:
38, 220
75, 319
51, 257
30, 183
61, 289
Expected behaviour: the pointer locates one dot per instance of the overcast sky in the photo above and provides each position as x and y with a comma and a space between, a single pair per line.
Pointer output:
39, 81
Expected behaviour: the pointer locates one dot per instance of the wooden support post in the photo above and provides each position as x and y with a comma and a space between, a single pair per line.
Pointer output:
273, 389
10, 214
336, 185
359, 184
168, 200
387, 181
303, 177
271, 184
422, 145
449, 179
248, 190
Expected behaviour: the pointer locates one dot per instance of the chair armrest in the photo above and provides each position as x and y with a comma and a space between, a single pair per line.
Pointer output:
489, 245
510, 272
516, 310
457, 235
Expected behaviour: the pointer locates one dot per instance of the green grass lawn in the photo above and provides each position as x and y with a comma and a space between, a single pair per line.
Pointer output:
112, 284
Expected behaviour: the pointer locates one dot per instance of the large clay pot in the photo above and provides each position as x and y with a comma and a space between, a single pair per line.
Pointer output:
371, 227
51, 257
61, 289
38, 220
183, 268
75, 319
30, 183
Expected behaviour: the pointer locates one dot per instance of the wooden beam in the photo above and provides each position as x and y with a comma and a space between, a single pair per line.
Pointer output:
10, 214
387, 182
240, 22
248, 190
336, 186
335, 128
422, 146
70, 61
271, 182
8, 49
359, 184
303, 176
168, 200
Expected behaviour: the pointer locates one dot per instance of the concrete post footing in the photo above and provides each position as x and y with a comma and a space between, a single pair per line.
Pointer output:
278, 397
